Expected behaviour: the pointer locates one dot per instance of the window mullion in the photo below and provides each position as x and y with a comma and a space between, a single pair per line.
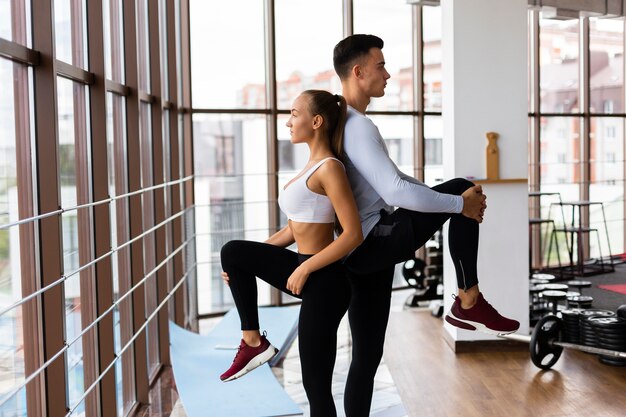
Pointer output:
102, 286
585, 137
272, 128
48, 199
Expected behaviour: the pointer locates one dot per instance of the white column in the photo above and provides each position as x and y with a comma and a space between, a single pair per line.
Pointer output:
485, 89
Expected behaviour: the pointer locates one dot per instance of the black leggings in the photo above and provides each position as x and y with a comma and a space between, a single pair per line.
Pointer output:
325, 298
395, 239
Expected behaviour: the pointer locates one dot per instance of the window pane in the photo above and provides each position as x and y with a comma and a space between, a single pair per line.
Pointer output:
227, 74
607, 184
396, 31
181, 152
231, 191
529, 62
167, 209
433, 150
312, 67
606, 44
5, 19
120, 259
179, 54
73, 174
113, 40
70, 32
560, 158
12, 323
15, 21
558, 57
431, 21
163, 50
167, 175
143, 49
147, 198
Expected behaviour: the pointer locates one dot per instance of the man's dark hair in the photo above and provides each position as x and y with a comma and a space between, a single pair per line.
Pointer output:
350, 49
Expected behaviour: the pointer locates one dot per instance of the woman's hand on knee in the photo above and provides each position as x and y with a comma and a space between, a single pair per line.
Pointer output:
225, 278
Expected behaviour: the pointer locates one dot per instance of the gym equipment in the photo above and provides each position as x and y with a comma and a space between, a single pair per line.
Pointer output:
543, 277
546, 349
580, 301
425, 285
553, 297
579, 285
413, 272
553, 287
621, 311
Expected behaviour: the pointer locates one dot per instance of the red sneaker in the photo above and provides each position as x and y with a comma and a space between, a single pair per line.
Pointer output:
482, 316
249, 358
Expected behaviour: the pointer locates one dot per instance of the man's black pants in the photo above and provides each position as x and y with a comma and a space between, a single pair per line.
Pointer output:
394, 239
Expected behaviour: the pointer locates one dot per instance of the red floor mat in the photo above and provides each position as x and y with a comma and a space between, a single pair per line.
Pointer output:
620, 288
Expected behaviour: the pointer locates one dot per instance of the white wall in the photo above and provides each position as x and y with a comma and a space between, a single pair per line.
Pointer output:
485, 89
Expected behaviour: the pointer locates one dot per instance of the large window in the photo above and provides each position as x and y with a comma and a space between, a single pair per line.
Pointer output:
238, 127
579, 127
80, 134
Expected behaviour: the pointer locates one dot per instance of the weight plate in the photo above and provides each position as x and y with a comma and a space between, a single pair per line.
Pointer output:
574, 312
596, 311
611, 335
618, 348
540, 275
584, 298
579, 283
555, 287
615, 323
543, 352
608, 360
612, 340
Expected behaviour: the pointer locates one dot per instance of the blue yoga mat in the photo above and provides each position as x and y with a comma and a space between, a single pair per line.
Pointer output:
197, 365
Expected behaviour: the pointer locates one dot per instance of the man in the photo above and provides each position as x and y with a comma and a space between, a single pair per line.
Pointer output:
394, 236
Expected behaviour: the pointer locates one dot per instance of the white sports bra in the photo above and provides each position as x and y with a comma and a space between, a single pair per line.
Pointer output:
300, 204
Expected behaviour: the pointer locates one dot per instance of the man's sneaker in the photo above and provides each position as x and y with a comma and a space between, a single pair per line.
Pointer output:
482, 316
249, 358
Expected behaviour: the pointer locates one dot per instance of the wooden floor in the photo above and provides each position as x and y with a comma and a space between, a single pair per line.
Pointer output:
433, 381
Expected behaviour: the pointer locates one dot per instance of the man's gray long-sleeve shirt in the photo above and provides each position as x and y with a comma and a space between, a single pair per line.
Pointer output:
376, 181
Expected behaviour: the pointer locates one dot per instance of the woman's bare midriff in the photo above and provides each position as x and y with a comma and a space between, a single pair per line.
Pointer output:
311, 238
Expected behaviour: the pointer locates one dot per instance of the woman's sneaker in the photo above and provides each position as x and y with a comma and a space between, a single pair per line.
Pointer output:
249, 358
482, 316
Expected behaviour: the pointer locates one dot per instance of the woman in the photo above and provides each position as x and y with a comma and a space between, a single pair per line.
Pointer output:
315, 274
